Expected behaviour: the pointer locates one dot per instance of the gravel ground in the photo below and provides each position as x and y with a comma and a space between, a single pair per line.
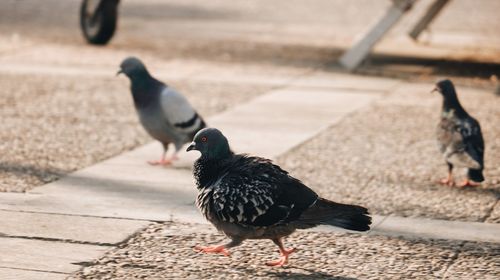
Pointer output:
164, 251
52, 126
385, 157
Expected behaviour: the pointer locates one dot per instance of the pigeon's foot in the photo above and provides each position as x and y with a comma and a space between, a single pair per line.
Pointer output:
468, 183
213, 249
283, 260
174, 157
447, 182
163, 162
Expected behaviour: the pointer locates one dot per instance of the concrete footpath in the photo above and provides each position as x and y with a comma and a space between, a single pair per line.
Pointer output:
51, 231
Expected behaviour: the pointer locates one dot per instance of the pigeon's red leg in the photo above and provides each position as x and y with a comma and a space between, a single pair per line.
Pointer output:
283, 252
164, 161
213, 249
468, 183
222, 249
172, 158
448, 180
159, 162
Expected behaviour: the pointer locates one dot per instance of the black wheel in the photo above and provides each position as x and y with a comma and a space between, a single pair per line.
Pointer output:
98, 20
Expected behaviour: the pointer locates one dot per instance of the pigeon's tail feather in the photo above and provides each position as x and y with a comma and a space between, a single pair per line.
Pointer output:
476, 175
327, 212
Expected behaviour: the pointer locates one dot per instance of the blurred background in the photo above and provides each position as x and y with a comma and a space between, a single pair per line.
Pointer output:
296, 33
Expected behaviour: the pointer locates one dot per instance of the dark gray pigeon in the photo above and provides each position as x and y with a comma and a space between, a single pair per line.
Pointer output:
165, 114
459, 137
249, 197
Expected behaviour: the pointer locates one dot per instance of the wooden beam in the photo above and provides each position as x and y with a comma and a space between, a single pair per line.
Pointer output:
355, 55
428, 17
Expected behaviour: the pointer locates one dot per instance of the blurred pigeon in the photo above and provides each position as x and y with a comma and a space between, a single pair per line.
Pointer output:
165, 114
459, 137
249, 197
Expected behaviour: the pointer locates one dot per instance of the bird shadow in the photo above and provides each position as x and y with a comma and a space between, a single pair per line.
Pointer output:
292, 272
306, 275
486, 191
44, 174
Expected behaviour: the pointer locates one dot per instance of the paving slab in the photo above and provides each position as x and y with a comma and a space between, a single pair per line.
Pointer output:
243, 79
182, 209
438, 229
427, 228
47, 256
108, 199
23, 274
291, 115
67, 227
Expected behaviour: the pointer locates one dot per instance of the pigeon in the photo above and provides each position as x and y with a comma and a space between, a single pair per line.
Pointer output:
166, 114
249, 197
459, 138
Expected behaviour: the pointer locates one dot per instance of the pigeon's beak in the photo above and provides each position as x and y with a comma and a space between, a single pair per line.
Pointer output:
434, 90
119, 72
191, 147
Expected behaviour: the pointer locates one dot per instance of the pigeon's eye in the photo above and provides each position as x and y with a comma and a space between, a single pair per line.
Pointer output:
204, 139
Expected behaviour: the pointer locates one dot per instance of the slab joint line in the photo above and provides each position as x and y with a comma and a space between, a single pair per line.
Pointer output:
35, 270
60, 240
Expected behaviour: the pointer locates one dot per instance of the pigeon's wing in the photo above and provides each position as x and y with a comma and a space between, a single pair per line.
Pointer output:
178, 112
466, 146
244, 201
445, 134
264, 195
470, 130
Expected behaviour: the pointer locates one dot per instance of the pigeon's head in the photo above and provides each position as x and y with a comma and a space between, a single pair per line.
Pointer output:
132, 66
211, 143
446, 88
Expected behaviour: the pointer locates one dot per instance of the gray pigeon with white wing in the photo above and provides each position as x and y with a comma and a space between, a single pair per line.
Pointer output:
165, 113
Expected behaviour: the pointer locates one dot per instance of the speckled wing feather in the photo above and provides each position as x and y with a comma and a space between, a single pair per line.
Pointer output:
243, 201
473, 140
461, 141
255, 192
